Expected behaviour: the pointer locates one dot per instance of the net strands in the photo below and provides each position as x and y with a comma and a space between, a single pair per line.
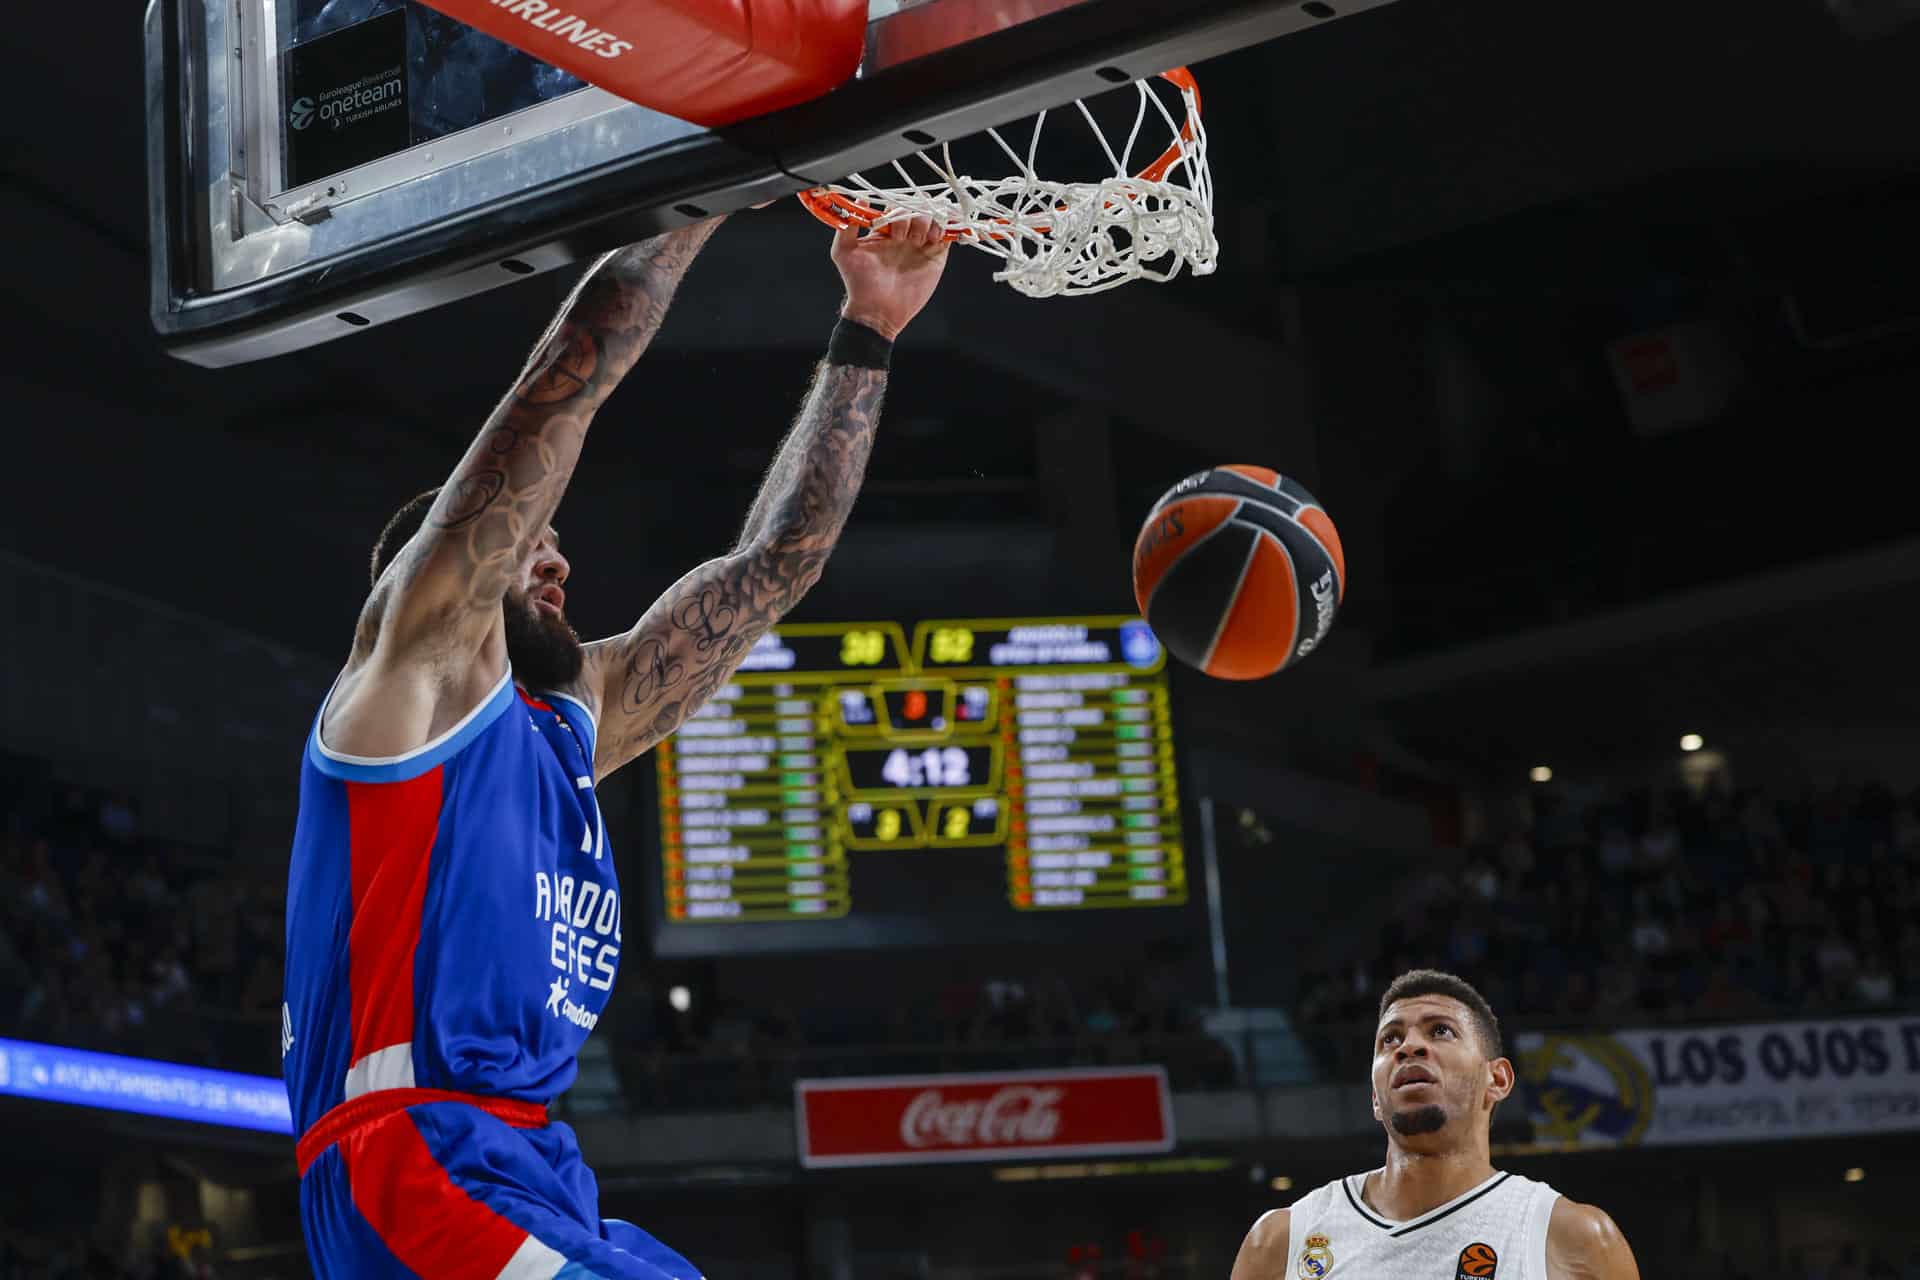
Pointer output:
1063, 238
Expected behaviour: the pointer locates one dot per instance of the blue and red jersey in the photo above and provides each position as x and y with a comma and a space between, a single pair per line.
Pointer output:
453, 917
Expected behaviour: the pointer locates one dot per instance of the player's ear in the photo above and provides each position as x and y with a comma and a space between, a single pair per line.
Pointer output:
1376, 1105
1500, 1079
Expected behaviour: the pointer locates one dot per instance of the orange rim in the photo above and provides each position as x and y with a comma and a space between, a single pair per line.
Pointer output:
840, 212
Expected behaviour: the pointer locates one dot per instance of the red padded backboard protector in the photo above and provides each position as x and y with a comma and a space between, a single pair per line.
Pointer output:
712, 62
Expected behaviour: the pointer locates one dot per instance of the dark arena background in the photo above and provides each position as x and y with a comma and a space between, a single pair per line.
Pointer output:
1596, 330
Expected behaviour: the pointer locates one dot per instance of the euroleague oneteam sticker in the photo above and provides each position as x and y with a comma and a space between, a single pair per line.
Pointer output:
1477, 1262
346, 96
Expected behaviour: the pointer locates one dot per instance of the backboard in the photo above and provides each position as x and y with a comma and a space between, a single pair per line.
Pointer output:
319, 166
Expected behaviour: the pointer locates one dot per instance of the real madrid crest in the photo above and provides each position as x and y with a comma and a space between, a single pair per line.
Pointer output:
1316, 1259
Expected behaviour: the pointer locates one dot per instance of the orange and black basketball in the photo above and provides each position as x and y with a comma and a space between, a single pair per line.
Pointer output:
1238, 571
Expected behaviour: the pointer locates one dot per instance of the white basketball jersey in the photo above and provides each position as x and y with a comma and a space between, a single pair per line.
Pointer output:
1497, 1231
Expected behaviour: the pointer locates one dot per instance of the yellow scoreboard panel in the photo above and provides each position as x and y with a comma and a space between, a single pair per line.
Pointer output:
1043, 744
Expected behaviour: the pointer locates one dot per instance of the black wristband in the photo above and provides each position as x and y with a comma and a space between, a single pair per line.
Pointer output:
855, 344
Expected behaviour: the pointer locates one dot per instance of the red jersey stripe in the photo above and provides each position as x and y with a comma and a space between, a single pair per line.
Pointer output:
431, 1225
340, 1123
391, 830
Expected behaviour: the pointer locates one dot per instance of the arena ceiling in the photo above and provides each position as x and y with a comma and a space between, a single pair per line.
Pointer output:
1423, 151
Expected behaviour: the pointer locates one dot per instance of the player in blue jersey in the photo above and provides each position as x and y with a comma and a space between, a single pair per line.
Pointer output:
454, 922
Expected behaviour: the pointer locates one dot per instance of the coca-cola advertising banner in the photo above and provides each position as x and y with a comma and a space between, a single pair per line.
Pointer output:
930, 1119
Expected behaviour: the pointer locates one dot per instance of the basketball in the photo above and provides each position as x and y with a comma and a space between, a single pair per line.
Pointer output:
1239, 571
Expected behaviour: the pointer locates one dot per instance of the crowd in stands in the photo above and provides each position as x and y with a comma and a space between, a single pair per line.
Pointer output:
723, 1048
1853, 1262
27, 1256
1888, 1259
111, 940
1690, 905
1663, 907
115, 942
1622, 909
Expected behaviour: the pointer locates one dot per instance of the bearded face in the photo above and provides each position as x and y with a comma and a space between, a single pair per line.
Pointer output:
541, 644
1411, 1122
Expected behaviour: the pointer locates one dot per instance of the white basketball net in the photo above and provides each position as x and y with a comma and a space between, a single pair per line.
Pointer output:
1069, 237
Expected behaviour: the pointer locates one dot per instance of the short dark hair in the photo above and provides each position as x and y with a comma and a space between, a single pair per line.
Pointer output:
398, 532
1433, 982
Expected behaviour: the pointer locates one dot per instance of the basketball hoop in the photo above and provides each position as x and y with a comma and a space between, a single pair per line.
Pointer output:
1061, 237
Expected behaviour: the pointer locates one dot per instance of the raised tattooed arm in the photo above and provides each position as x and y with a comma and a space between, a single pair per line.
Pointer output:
445, 586
696, 635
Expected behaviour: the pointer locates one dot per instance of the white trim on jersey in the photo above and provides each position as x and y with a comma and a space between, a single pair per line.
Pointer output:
586, 713
388, 1068
341, 757
1356, 1192
532, 1261
594, 841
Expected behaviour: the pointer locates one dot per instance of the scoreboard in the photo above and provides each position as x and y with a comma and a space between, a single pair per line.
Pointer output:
978, 768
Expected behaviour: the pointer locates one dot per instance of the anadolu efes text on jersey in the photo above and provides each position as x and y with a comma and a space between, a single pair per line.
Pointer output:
453, 917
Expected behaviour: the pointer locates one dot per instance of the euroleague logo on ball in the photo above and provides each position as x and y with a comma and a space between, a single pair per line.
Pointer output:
1188, 485
1239, 571
1156, 535
1165, 524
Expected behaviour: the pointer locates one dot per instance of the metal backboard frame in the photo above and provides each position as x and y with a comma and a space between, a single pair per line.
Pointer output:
245, 266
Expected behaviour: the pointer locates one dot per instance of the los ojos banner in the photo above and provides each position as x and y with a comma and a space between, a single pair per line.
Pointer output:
928, 1119
1744, 1083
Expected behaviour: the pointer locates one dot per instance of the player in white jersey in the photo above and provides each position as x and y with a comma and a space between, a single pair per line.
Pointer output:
1437, 1208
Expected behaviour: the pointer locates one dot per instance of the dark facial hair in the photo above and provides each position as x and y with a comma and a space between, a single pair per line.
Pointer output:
1427, 1119
544, 651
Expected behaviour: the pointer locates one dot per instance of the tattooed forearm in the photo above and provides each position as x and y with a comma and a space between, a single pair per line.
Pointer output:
609, 319
468, 497
668, 720
809, 490
651, 671
508, 485
695, 637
